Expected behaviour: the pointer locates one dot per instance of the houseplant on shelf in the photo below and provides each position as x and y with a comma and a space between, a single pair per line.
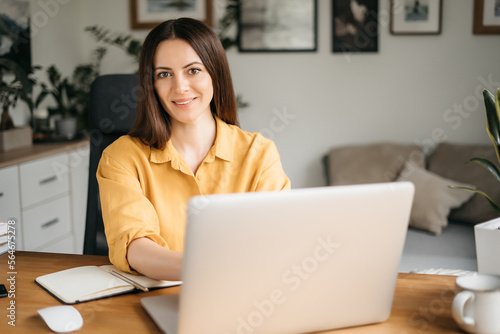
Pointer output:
15, 83
71, 96
487, 234
492, 105
63, 94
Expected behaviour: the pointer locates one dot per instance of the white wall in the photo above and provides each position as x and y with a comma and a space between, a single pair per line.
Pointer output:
416, 89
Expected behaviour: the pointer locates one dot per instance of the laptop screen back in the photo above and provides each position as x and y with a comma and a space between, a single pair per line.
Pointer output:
292, 262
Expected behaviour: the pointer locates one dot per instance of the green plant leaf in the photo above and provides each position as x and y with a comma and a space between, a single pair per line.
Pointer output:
492, 168
497, 101
41, 97
497, 107
493, 118
482, 193
20, 74
53, 75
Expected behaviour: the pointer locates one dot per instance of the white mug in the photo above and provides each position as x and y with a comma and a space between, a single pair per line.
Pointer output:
476, 308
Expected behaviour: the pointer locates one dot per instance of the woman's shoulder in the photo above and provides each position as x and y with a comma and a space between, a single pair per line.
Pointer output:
242, 136
127, 146
245, 141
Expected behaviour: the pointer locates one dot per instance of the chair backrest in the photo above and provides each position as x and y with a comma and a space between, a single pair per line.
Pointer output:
113, 102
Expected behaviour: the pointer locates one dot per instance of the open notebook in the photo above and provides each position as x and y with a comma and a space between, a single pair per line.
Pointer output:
86, 283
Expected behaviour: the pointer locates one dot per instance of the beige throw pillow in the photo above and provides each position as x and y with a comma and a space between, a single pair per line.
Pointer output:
449, 161
433, 198
370, 163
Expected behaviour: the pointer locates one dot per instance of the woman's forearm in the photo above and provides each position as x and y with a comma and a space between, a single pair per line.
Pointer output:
150, 259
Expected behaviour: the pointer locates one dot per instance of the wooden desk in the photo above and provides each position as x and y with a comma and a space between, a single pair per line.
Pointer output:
40, 150
421, 303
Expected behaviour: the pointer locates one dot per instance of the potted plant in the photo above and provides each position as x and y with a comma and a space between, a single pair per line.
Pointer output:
62, 93
15, 83
492, 105
71, 96
487, 234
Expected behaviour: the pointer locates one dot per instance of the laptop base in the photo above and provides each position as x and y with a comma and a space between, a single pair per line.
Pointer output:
164, 310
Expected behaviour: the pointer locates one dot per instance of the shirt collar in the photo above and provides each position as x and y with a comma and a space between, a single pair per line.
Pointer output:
223, 141
221, 147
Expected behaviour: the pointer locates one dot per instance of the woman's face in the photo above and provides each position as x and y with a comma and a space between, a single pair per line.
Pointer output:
182, 82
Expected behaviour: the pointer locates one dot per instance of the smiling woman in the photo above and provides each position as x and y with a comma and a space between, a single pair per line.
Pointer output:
183, 84
185, 142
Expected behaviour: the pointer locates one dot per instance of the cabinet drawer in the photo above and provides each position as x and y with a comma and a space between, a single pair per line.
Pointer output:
65, 245
43, 179
45, 223
10, 206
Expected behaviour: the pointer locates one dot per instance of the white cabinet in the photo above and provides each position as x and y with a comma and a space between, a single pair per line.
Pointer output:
46, 223
10, 198
47, 197
43, 179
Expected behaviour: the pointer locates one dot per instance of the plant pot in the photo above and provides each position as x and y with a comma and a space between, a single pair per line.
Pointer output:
15, 138
66, 128
487, 237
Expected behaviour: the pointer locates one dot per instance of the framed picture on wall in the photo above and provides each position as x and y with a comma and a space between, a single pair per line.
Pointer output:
416, 17
355, 25
277, 26
486, 17
147, 14
15, 41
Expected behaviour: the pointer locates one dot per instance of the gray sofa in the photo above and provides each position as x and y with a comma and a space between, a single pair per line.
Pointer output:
440, 236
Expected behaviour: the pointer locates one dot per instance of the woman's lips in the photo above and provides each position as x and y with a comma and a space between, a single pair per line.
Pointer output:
184, 101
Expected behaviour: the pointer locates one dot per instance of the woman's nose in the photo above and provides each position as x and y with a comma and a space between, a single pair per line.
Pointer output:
181, 84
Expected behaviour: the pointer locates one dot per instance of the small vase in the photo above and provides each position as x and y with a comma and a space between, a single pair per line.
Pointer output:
66, 128
5, 120
487, 237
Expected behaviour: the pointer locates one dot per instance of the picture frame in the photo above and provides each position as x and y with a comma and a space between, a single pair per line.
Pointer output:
16, 45
486, 17
354, 26
147, 14
277, 26
416, 17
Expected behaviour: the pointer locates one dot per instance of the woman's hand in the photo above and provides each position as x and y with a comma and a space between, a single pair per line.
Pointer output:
150, 259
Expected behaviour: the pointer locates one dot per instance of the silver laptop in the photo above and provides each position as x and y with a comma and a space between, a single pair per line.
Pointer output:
296, 261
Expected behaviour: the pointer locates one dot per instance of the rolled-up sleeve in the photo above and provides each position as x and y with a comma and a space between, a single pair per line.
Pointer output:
127, 213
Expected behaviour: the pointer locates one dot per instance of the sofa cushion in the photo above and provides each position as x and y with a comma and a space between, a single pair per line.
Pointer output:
371, 163
450, 161
433, 198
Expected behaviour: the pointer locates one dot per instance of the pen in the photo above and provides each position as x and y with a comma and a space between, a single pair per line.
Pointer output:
128, 280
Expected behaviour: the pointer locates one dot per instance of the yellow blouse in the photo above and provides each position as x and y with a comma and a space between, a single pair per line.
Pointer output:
144, 191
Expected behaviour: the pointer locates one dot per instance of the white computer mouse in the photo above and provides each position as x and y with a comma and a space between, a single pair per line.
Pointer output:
62, 318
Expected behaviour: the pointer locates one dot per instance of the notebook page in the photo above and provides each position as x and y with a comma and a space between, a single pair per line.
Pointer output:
82, 283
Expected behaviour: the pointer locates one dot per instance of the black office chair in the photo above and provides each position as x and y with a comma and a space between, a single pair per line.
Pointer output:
113, 101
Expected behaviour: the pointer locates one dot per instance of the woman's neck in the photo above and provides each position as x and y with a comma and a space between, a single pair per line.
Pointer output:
194, 140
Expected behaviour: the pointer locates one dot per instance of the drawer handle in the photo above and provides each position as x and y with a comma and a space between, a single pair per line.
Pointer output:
50, 222
48, 180
1, 194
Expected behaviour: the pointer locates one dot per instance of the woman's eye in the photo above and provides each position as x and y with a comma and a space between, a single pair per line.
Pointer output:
163, 74
194, 70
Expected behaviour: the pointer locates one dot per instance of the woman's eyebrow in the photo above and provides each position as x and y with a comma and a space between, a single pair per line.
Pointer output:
192, 63
185, 66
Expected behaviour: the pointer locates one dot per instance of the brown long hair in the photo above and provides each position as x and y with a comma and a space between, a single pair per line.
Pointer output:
152, 122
